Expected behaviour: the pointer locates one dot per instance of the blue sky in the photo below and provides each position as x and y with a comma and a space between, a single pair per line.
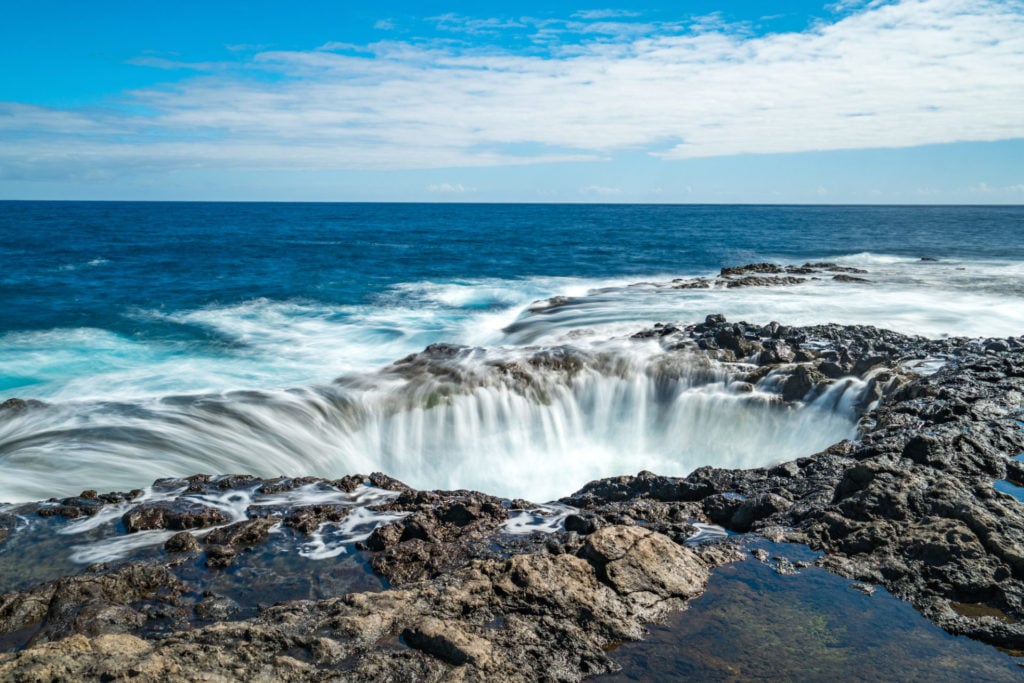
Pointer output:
856, 101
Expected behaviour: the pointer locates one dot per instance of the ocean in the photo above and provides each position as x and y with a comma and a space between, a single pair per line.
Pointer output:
167, 339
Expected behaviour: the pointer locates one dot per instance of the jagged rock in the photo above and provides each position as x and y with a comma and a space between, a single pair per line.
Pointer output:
244, 534
908, 505
90, 604
219, 556
530, 617
801, 382
181, 542
308, 518
175, 515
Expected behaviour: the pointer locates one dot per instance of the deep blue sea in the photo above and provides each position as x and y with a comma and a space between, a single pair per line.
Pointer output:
94, 264
129, 319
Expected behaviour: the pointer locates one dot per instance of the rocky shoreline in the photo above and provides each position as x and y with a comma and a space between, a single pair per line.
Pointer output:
460, 585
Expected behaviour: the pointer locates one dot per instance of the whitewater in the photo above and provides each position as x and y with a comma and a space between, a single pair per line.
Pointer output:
304, 382
308, 392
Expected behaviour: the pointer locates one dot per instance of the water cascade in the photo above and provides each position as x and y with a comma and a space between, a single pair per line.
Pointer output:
531, 423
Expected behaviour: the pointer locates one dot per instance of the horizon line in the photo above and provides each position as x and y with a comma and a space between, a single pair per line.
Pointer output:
508, 203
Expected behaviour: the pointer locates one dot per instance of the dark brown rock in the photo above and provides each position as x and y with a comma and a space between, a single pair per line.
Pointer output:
181, 542
174, 515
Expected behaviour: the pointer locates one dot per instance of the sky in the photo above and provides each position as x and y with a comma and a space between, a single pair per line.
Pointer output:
854, 101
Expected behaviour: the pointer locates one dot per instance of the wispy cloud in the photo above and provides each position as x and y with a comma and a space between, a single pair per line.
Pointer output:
595, 14
601, 190
450, 188
474, 25
171, 64
892, 74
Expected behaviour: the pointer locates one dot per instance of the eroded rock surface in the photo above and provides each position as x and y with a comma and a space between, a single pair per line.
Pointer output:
910, 505
529, 617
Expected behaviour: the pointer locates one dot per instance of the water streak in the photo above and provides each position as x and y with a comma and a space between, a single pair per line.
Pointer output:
512, 423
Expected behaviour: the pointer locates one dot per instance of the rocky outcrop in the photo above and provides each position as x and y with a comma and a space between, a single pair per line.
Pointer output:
529, 617
770, 275
909, 505
177, 516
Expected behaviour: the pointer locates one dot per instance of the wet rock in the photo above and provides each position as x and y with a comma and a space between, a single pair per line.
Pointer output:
801, 382
219, 556
90, 604
7, 524
997, 346
909, 505
217, 608
176, 515
768, 275
383, 481
754, 281
73, 508
582, 525
181, 542
244, 534
530, 617
308, 518
17, 405
755, 509
752, 268
282, 484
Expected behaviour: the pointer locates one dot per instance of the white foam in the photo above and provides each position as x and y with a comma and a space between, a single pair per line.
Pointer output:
268, 344
332, 538
357, 526
544, 519
627, 408
114, 511
118, 547
706, 532
116, 422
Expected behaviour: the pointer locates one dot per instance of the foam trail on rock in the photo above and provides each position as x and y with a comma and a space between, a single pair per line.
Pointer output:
329, 540
546, 519
333, 538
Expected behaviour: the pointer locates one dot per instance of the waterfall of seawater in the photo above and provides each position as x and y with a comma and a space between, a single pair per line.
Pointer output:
519, 427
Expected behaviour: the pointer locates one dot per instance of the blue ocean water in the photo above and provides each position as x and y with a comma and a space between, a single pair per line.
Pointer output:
131, 319
89, 264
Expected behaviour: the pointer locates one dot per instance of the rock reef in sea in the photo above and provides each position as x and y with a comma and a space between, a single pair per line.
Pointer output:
364, 577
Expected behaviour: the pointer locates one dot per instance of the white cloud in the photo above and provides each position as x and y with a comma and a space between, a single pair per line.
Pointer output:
472, 25
594, 14
601, 190
899, 74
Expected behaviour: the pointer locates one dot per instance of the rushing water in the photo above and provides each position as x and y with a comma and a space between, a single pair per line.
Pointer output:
169, 339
